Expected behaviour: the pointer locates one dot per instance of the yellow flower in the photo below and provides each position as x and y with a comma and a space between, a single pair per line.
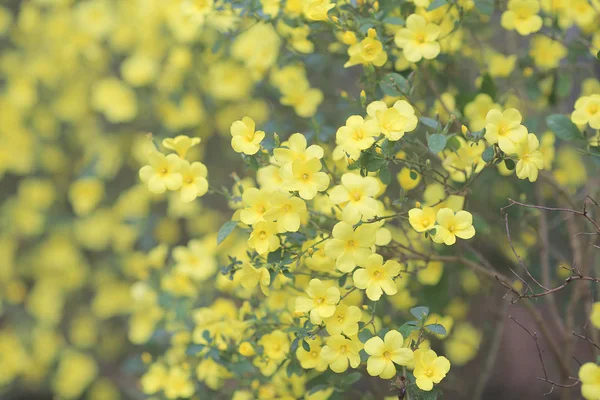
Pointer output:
193, 183
85, 194
477, 110
357, 135
464, 343
431, 274
115, 100
244, 138
178, 384
522, 16
316, 10
250, 277
321, 301
368, 51
546, 53
450, 225
264, 237
505, 129
304, 177
429, 368
394, 121
589, 375
500, 65
154, 380
339, 352
530, 158
312, 359
419, 39
256, 202
350, 247
275, 345
587, 111
287, 210
408, 178
385, 353
355, 196
180, 144
595, 316
344, 320
162, 173
377, 277
421, 220
295, 149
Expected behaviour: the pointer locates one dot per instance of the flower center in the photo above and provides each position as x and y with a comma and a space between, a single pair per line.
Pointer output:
305, 176
592, 108
359, 134
429, 372
343, 349
420, 37
287, 208
350, 243
262, 235
386, 355
320, 300
340, 318
356, 195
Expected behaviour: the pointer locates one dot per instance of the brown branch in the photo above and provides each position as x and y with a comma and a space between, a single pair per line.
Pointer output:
541, 357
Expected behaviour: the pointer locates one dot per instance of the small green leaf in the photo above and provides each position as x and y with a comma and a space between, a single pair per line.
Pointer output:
420, 312
413, 175
194, 349
453, 144
430, 122
225, 230
436, 4
562, 127
305, 345
436, 142
294, 345
408, 327
393, 20
436, 328
598, 55
364, 335
385, 175
352, 378
510, 164
488, 154
394, 84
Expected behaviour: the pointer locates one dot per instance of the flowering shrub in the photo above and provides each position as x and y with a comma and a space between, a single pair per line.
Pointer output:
320, 203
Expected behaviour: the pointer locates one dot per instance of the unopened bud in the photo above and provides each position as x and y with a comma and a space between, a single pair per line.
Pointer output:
334, 19
528, 71
376, 5
310, 251
418, 204
464, 129
344, 94
351, 161
378, 150
146, 357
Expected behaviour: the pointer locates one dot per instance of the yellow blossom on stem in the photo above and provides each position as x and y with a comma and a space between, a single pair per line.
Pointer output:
321, 301
429, 368
244, 138
530, 158
377, 277
422, 220
350, 247
339, 352
419, 39
264, 237
505, 129
367, 51
383, 354
450, 226
162, 173
180, 144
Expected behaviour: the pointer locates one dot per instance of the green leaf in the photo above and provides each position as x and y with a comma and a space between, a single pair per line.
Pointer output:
374, 164
364, 335
394, 84
436, 142
352, 378
413, 175
430, 122
305, 345
598, 55
294, 345
393, 20
385, 175
562, 127
488, 154
194, 349
488, 86
436, 4
225, 230
436, 328
420, 312
510, 164
453, 144
408, 327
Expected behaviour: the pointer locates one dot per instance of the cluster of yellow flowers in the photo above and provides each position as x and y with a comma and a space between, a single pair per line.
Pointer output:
112, 262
